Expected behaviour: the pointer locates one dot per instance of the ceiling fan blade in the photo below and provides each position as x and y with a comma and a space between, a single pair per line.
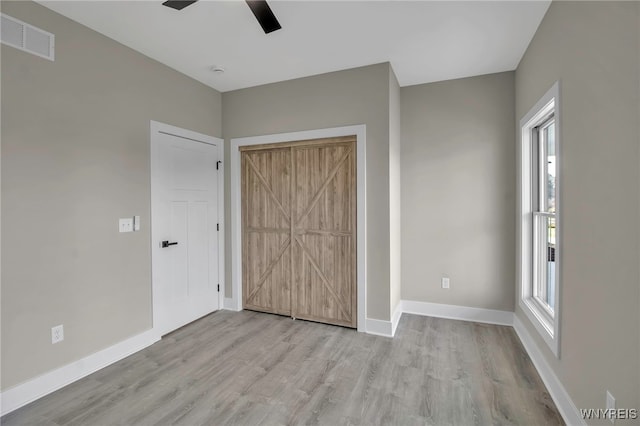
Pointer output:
264, 15
178, 4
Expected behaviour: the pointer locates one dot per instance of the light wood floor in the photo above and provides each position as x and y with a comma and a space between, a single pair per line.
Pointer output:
250, 368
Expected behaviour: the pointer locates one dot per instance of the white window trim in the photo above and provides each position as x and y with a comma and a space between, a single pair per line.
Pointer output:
548, 328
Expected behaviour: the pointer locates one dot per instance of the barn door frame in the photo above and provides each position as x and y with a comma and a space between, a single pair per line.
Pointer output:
235, 302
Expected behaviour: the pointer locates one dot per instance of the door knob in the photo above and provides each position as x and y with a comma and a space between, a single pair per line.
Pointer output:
166, 244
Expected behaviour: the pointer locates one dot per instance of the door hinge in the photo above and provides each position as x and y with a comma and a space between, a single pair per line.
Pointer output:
217, 226
218, 164
218, 288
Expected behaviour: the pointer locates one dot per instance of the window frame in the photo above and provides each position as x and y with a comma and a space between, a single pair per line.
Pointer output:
546, 322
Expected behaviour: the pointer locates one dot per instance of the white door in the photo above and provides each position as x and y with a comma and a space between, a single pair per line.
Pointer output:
185, 228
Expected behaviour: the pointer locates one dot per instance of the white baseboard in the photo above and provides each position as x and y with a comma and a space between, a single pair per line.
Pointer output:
558, 393
230, 304
22, 394
379, 327
388, 328
464, 313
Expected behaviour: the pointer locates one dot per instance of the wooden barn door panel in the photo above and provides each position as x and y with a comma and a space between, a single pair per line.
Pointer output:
266, 225
324, 226
299, 230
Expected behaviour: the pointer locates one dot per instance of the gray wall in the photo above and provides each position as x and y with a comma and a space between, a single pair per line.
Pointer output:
592, 48
75, 158
395, 248
356, 96
458, 191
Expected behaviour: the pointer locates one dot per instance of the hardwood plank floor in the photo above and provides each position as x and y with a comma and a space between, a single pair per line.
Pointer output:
250, 368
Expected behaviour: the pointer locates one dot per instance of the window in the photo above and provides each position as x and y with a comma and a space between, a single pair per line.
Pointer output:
539, 250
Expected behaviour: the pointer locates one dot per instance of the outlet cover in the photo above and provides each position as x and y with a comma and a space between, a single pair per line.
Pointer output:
57, 334
125, 225
445, 282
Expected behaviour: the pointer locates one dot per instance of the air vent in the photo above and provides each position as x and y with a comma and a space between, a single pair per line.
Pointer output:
26, 37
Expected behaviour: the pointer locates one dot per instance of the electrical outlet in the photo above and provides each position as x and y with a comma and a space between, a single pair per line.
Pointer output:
445, 282
611, 406
57, 334
125, 225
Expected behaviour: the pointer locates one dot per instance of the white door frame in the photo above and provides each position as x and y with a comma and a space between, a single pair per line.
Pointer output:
157, 128
236, 210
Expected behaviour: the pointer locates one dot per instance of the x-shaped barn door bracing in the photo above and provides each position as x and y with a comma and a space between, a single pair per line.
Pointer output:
297, 231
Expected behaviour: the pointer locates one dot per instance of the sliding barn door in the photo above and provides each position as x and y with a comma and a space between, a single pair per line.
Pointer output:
266, 238
324, 233
299, 230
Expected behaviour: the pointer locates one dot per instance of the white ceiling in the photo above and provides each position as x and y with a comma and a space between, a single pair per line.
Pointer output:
425, 41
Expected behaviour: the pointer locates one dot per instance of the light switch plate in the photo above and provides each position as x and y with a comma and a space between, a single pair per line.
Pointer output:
125, 225
136, 223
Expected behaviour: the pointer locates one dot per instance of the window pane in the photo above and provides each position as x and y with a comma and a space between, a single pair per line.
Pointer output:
544, 239
540, 256
550, 149
551, 263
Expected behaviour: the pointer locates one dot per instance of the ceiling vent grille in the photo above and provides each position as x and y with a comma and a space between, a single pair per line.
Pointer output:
26, 37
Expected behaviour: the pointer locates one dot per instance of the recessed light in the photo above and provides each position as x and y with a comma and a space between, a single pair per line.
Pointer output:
217, 70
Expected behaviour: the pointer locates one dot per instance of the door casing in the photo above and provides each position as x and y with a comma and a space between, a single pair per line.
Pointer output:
235, 303
155, 129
